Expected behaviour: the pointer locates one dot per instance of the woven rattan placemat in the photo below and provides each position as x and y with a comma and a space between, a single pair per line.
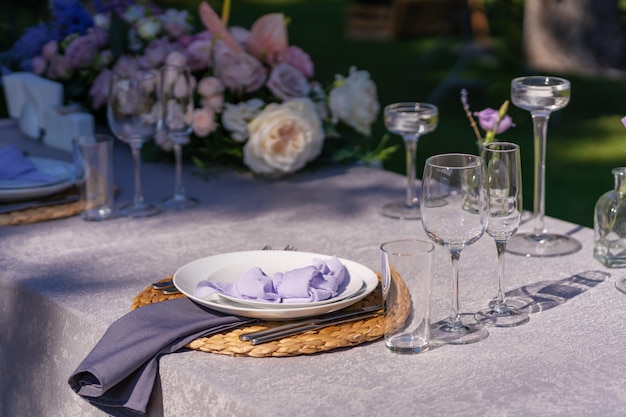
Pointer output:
41, 214
325, 339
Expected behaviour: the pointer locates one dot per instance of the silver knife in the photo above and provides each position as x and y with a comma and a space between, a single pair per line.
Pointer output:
331, 319
7, 208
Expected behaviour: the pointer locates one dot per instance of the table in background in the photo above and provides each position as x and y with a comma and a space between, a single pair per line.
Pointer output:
63, 282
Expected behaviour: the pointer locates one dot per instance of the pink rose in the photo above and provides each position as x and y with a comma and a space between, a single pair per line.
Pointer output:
176, 59
268, 37
203, 122
126, 65
299, 59
50, 49
81, 52
241, 73
210, 86
199, 54
59, 68
99, 91
286, 82
39, 65
99, 36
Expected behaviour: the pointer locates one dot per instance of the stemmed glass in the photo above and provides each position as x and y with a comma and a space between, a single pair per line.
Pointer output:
457, 179
410, 120
133, 114
177, 101
541, 95
504, 192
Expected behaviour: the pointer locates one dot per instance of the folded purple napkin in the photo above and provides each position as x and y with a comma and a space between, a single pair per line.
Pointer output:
317, 282
119, 374
14, 165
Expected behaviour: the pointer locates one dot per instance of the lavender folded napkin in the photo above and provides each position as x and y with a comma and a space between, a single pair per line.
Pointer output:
119, 374
15, 166
320, 281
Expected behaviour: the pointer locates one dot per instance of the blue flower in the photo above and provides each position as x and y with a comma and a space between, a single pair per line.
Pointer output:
70, 17
29, 45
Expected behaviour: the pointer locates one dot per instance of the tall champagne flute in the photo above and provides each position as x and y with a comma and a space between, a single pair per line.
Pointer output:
504, 193
409, 120
456, 179
133, 114
177, 85
541, 95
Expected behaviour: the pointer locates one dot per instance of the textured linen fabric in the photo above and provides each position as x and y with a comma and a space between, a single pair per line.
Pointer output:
119, 374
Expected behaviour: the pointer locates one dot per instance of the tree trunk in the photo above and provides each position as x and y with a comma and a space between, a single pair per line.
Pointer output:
574, 36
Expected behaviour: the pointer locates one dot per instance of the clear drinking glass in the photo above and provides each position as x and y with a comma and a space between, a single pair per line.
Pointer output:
541, 95
453, 205
133, 114
503, 188
177, 101
409, 120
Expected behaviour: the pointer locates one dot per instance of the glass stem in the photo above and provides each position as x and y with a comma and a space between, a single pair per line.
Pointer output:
136, 150
179, 190
540, 126
455, 318
500, 300
410, 145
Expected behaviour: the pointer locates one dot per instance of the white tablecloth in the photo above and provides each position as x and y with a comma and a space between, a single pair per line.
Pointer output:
63, 282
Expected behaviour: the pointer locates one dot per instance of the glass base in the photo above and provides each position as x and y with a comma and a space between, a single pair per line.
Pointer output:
407, 344
445, 333
98, 214
542, 245
180, 202
399, 210
138, 210
620, 284
503, 316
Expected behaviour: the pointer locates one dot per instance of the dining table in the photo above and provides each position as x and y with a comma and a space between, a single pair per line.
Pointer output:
64, 281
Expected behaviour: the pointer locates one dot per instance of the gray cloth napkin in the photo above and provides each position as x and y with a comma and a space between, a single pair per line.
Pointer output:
119, 374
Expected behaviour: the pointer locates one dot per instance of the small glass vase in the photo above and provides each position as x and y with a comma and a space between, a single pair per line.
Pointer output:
609, 224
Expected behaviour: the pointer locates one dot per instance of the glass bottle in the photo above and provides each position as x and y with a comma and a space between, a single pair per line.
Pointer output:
609, 224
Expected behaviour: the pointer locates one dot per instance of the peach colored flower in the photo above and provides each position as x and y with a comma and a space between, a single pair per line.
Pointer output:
203, 122
211, 21
268, 37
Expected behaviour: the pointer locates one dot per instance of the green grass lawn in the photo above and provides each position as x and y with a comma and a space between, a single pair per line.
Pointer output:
585, 140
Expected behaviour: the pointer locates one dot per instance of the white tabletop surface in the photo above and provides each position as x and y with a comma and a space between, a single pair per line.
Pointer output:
63, 282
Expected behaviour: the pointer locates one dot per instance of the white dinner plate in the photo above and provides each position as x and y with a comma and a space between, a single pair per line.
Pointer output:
65, 170
271, 261
57, 171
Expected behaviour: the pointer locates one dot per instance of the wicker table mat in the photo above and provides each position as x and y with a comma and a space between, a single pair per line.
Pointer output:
325, 339
40, 214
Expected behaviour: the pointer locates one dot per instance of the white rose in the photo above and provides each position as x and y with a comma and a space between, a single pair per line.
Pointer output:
284, 137
235, 117
149, 27
354, 101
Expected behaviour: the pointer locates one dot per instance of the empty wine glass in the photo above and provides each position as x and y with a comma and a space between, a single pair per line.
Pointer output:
504, 195
541, 95
457, 179
177, 85
133, 114
410, 120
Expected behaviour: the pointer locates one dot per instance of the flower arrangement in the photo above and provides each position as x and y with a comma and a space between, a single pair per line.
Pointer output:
492, 121
258, 105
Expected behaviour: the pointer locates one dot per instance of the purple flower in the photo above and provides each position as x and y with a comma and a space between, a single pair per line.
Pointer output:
29, 45
624, 121
287, 82
81, 52
488, 117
